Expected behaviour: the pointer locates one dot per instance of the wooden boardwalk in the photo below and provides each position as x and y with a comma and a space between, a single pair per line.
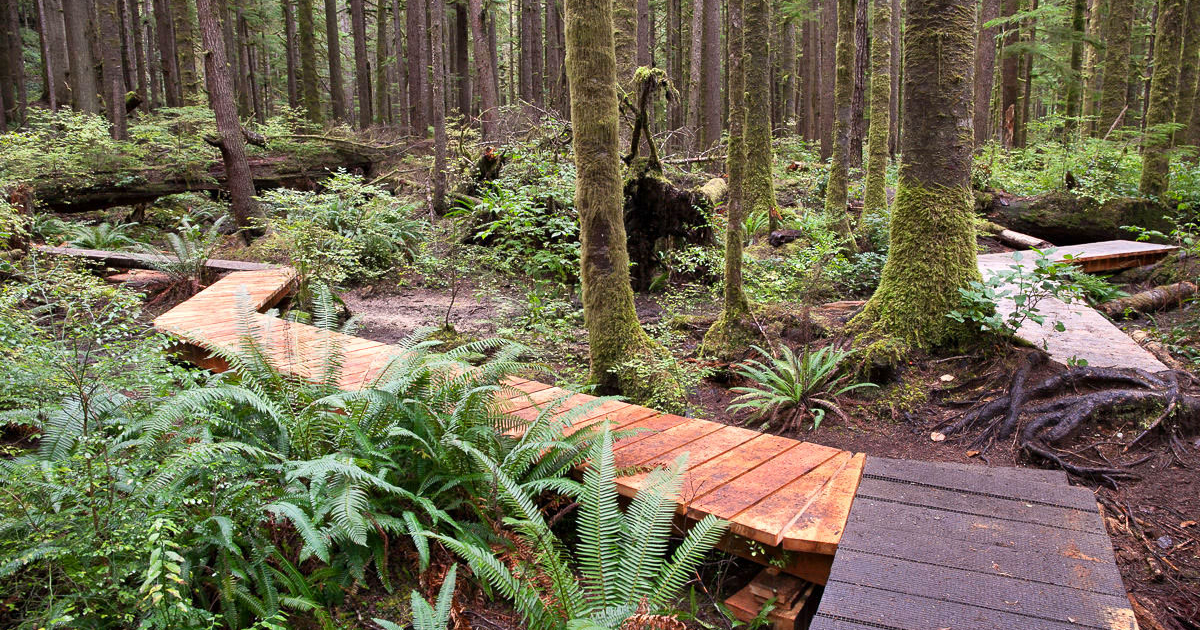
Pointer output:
780, 494
141, 260
932, 545
1087, 335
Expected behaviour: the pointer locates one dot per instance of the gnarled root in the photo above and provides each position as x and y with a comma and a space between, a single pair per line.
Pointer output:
1056, 408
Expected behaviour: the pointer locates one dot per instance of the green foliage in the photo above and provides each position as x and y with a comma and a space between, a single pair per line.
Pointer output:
1007, 298
425, 616
527, 217
106, 236
621, 559
792, 386
816, 267
48, 228
351, 231
191, 246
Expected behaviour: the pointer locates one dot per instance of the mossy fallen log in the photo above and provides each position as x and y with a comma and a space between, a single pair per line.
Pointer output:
1064, 218
147, 185
1155, 299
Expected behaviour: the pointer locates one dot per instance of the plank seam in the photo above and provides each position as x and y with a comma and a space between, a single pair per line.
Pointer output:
943, 566
990, 495
869, 624
972, 605
965, 513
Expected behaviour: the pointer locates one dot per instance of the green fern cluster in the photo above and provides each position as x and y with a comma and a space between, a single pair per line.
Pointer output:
793, 385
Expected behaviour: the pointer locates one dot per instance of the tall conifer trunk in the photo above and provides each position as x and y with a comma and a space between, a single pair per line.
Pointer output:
185, 47
1189, 64
362, 63
615, 337
112, 75
229, 129
309, 87
836, 189
1164, 93
985, 70
437, 46
1114, 90
932, 252
875, 191
485, 72
82, 68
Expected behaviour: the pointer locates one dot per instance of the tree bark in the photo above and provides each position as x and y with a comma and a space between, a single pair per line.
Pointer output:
1009, 77
291, 41
362, 63
82, 68
875, 190
645, 35
625, 23
858, 100
710, 66
383, 107
829, 69
1189, 64
674, 51
437, 41
169, 60
140, 68
537, 63
836, 189
985, 70
1091, 75
1164, 92
485, 72
112, 76
185, 48
556, 81
1021, 126
897, 105
695, 119
55, 87
418, 67
337, 88
245, 210
932, 253
12, 63
1118, 38
462, 57
614, 335
759, 185
309, 87
1075, 80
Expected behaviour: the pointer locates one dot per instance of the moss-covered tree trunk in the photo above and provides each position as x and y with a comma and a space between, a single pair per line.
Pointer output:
758, 185
309, 81
731, 333
1075, 81
875, 193
615, 336
1114, 87
843, 86
1164, 92
1189, 65
932, 253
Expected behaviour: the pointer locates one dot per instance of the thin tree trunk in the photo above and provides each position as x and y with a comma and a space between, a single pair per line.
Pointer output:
555, 78
437, 26
625, 23
185, 48
759, 186
168, 58
123, 28
56, 89
787, 55
829, 37
932, 251
858, 100
1118, 32
1009, 77
398, 22
1021, 126
645, 34
1075, 81
485, 72
1144, 88
1189, 60
897, 104
383, 110
985, 70
695, 76
337, 88
674, 52
12, 83
874, 190
418, 67
220, 96
82, 68
291, 41
1091, 75
1164, 93
139, 54
309, 87
537, 64
362, 63
462, 57
836, 190
525, 76
112, 76
710, 65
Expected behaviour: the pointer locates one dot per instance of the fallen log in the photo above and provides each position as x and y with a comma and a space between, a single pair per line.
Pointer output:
1068, 219
144, 186
1154, 299
1016, 239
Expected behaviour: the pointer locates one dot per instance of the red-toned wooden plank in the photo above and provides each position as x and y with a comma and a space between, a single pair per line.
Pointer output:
761, 481
681, 435
820, 527
766, 520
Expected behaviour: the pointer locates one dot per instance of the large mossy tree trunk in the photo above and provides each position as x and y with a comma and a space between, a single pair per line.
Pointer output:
875, 192
246, 212
843, 86
731, 332
615, 336
759, 184
932, 248
1114, 86
1164, 92
309, 81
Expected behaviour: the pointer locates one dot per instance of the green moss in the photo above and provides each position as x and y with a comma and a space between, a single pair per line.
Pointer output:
932, 254
1114, 86
729, 337
836, 194
875, 190
759, 184
1164, 90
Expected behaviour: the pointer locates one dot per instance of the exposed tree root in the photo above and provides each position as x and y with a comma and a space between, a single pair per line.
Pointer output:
1056, 409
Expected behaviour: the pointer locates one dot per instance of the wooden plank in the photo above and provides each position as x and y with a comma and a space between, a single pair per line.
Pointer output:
819, 528
881, 608
629, 454
985, 483
1014, 509
898, 519
712, 474
767, 520
760, 482
986, 590
717, 443
1028, 563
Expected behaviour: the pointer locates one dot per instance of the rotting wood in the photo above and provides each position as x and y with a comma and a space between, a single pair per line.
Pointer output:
1156, 299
